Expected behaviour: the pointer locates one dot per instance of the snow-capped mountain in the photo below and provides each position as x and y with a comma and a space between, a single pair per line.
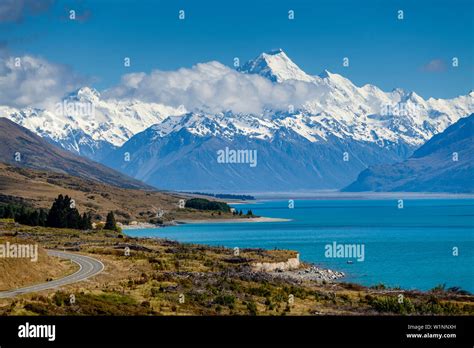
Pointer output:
324, 142
315, 125
363, 113
183, 153
276, 66
341, 109
89, 125
445, 163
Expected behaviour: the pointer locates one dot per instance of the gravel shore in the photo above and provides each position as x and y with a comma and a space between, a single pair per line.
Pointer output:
312, 272
232, 221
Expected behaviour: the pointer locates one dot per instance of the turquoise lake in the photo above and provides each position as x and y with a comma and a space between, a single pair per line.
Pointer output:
411, 247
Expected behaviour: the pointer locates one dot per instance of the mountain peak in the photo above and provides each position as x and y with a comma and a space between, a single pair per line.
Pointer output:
274, 52
412, 96
399, 91
276, 66
325, 74
336, 80
85, 93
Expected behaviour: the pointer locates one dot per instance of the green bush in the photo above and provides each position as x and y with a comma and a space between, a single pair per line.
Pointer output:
225, 300
252, 308
392, 305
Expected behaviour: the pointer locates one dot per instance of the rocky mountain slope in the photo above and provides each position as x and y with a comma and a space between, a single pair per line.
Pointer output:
443, 164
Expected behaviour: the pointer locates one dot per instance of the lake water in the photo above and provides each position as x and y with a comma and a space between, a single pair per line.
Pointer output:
411, 247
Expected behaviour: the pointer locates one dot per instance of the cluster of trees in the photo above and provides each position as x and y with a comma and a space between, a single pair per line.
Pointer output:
240, 213
24, 215
63, 214
205, 204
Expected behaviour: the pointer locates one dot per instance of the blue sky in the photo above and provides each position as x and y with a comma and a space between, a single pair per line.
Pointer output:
414, 53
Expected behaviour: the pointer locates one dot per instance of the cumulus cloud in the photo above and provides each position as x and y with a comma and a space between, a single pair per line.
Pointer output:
32, 81
15, 10
209, 87
213, 87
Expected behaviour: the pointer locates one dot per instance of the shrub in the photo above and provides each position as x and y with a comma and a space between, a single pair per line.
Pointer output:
252, 308
392, 305
225, 300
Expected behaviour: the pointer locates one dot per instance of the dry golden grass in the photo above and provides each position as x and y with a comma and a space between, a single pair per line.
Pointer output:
40, 188
20, 272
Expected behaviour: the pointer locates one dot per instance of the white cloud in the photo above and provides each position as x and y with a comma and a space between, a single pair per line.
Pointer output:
33, 81
213, 87
209, 87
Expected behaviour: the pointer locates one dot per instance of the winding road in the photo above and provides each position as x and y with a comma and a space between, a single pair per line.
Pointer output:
88, 267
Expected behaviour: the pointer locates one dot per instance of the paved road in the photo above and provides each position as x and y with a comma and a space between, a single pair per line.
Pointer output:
88, 267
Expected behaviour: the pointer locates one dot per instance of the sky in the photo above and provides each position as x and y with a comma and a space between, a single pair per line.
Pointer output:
414, 53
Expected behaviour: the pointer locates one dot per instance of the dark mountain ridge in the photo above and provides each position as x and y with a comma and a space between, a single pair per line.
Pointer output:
443, 164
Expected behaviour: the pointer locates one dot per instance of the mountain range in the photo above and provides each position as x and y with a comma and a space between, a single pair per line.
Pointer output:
322, 142
444, 163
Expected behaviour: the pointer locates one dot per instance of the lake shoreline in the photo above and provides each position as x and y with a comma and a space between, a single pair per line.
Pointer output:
147, 225
307, 271
230, 221
349, 196
390, 236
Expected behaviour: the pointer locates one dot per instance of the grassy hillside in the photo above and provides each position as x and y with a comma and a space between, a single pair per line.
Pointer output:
22, 147
20, 272
40, 188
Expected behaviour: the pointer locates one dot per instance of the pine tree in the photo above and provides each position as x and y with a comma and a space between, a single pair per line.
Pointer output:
62, 214
56, 217
110, 223
86, 222
73, 218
